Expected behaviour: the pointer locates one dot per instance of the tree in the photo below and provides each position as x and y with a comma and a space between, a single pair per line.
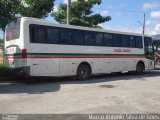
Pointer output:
36, 8
81, 14
10, 9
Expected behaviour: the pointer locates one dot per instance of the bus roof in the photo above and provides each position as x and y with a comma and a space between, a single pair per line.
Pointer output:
44, 22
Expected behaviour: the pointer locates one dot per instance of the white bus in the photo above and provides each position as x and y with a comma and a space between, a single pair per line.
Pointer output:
35, 47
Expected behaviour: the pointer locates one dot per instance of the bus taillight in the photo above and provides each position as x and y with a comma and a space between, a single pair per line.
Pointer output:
10, 35
24, 53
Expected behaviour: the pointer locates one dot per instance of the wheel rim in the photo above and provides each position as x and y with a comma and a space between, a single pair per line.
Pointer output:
139, 69
83, 72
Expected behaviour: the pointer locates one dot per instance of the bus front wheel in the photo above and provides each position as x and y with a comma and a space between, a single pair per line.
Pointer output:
83, 72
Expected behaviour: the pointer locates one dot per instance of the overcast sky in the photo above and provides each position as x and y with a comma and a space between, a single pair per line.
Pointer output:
126, 14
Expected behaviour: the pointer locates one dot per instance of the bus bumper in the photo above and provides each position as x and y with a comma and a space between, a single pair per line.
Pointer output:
20, 71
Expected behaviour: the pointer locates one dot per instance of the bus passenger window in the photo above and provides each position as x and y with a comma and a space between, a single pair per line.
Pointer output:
139, 42
88, 38
132, 41
33, 34
53, 35
77, 37
65, 36
116, 40
124, 41
41, 35
99, 39
108, 40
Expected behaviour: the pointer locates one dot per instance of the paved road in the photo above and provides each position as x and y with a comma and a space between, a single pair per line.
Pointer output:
120, 93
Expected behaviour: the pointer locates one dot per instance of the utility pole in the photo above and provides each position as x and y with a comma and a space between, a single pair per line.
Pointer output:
144, 23
68, 11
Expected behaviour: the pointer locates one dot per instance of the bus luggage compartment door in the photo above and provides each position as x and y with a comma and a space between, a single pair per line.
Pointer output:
45, 67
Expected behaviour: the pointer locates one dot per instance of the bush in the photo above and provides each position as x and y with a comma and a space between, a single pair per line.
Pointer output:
3, 70
1, 45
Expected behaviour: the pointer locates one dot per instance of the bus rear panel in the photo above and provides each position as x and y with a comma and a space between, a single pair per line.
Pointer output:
15, 53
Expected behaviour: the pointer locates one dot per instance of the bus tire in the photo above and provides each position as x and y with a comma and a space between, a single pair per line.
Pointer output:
139, 69
83, 72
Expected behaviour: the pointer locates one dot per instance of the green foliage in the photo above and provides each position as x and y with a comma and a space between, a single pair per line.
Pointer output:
3, 70
81, 14
36, 8
1, 45
10, 9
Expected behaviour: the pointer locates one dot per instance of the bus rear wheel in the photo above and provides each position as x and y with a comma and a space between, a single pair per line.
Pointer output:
139, 69
83, 72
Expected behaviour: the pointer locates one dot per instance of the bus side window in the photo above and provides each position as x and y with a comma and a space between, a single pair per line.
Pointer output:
132, 42
139, 42
124, 41
77, 37
116, 40
108, 40
88, 38
53, 35
33, 34
99, 39
42, 34
65, 36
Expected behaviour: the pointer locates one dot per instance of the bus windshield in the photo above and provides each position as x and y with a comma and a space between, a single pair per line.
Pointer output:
13, 30
156, 44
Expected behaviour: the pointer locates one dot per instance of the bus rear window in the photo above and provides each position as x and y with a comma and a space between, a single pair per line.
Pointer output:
13, 30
